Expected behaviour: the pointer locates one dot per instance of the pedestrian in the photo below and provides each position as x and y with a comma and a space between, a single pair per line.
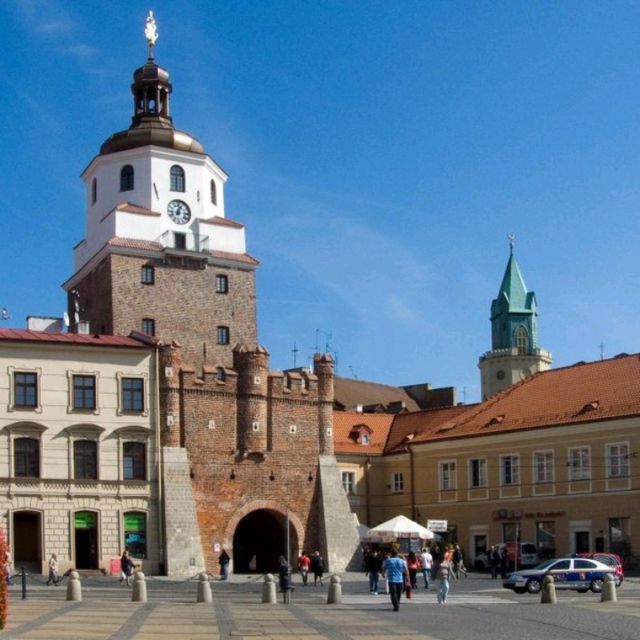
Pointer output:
444, 572
503, 562
494, 561
54, 575
373, 568
413, 564
426, 564
223, 561
458, 562
8, 567
395, 571
304, 564
385, 556
126, 567
284, 575
317, 566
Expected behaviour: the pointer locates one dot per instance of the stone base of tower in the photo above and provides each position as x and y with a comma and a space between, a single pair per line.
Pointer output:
338, 532
183, 553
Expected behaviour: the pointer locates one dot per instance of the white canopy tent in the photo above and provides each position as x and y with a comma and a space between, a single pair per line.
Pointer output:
398, 527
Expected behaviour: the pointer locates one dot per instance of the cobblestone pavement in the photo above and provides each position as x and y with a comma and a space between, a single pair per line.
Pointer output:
477, 608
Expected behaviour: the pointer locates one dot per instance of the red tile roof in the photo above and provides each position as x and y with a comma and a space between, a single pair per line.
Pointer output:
224, 222
343, 423
349, 393
584, 392
24, 335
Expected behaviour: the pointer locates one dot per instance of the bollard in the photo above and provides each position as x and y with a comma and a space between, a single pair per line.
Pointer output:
23, 575
335, 591
204, 589
609, 590
139, 593
269, 589
548, 593
74, 588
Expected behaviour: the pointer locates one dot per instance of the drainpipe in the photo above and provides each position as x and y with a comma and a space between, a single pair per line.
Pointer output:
159, 464
367, 489
413, 482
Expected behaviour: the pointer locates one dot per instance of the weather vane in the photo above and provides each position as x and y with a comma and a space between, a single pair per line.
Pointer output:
151, 33
511, 237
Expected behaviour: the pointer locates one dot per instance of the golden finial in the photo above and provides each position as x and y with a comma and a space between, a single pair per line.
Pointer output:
151, 33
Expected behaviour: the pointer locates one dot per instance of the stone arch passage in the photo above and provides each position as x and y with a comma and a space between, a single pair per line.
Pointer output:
259, 539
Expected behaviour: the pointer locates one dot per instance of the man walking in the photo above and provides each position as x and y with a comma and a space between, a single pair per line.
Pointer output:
426, 560
395, 570
374, 566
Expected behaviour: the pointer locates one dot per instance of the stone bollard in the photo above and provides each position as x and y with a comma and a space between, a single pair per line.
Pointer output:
335, 591
139, 593
609, 590
74, 588
548, 593
204, 589
269, 589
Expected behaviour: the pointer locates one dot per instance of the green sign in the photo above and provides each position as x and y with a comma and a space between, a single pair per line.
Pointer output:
134, 522
86, 520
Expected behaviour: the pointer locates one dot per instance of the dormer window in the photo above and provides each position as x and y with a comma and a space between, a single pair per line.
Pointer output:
126, 178
364, 439
214, 193
177, 178
361, 434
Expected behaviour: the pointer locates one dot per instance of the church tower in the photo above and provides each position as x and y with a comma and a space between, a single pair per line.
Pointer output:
515, 353
160, 255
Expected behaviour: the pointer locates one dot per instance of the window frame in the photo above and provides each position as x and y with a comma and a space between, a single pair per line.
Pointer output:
447, 475
222, 283
147, 274
397, 482
513, 460
146, 324
83, 406
24, 386
348, 479
547, 466
177, 179
94, 191
92, 456
145, 515
223, 335
27, 463
578, 471
124, 409
127, 178
213, 187
481, 474
522, 340
621, 460
138, 465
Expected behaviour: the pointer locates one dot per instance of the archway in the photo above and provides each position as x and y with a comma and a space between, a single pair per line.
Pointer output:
259, 539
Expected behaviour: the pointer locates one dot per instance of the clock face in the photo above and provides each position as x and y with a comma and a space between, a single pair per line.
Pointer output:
179, 211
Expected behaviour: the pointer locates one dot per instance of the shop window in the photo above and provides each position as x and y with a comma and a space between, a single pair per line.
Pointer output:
135, 534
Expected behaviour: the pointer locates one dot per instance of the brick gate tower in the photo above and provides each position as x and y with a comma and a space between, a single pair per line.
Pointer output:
246, 452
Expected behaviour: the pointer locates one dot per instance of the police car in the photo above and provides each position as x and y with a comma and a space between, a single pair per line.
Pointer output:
580, 574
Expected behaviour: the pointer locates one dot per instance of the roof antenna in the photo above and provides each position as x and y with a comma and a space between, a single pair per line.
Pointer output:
295, 354
353, 373
601, 351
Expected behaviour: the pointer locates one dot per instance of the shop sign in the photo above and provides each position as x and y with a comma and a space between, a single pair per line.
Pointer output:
437, 525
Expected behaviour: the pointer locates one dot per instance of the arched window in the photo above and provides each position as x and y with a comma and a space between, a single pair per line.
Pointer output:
214, 193
126, 178
177, 178
522, 341
94, 191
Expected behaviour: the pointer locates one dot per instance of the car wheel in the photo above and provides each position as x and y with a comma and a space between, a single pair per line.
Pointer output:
596, 585
534, 586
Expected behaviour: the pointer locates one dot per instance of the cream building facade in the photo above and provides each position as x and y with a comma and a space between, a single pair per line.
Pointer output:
79, 459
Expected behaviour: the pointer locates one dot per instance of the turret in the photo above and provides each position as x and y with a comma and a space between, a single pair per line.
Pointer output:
252, 366
323, 369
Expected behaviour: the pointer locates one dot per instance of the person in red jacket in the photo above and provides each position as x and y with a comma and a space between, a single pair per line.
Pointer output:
304, 564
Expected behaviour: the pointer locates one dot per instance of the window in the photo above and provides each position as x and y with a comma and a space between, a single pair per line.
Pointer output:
25, 389
84, 392
510, 469
478, 472
180, 240
222, 335
149, 326
94, 191
85, 460
397, 483
26, 457
177, 178
214, 194
132, 394
147, 274
126, 178
135, 534
546, 539
221, 376
543, 466
447, 476
364, 439
349, 482
522, 341
617, 460
579, 463
134, 461
222, 284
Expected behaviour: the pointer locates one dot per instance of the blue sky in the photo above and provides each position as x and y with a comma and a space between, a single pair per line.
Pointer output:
378, 152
